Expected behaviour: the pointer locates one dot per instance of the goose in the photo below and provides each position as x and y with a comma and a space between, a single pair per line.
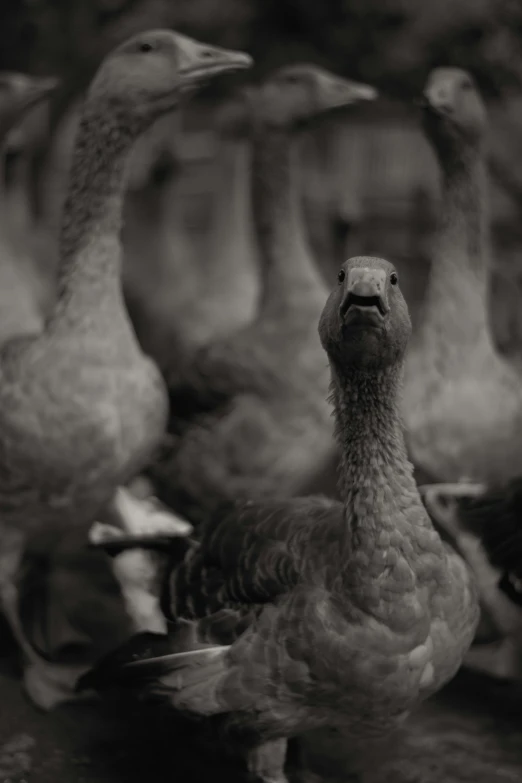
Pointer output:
249, 411
81, 407
462, 400
485, 524
299, 613
154, 227
204, 292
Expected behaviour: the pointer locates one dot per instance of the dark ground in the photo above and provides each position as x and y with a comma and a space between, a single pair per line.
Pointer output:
470, 732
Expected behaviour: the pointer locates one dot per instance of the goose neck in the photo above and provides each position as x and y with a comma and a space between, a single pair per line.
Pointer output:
90, 234
376, 478
457, 292
233, 210
287, 267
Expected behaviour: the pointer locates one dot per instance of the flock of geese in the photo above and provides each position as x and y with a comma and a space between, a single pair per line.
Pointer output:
232, 522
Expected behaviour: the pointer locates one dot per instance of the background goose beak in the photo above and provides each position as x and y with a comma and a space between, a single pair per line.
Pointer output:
200, 61
337, 92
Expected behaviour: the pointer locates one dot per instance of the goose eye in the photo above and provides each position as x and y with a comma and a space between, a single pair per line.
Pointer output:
341, 275
394, 278
145, 47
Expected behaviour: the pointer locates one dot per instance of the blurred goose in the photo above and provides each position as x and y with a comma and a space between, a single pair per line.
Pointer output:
193, 294
226, 294
462, 401
249, 411
81, 407
486, 525
158, 294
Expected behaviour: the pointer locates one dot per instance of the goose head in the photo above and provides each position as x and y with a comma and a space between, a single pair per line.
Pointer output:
297, 94
365, 323
454, 112
18, 94
146, 76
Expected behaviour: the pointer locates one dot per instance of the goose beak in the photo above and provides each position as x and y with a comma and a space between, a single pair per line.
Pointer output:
337, 92
200, 62
365, 300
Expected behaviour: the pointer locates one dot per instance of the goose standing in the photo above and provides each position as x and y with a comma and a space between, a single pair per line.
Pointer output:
81, 408
462, 401
355, 611
250, 414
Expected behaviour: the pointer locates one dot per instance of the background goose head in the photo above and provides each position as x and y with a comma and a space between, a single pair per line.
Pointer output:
146, 76
19, 93
365, 323
454, 112
296, 94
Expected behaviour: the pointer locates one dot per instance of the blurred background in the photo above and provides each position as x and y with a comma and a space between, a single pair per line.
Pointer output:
370, 185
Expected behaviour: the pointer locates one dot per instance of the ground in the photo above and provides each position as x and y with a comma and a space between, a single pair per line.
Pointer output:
471, 732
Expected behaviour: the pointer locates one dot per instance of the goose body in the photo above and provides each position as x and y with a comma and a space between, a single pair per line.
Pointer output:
355, 610
82, 408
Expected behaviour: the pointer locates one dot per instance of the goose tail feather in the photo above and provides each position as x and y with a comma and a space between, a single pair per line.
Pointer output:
189, 680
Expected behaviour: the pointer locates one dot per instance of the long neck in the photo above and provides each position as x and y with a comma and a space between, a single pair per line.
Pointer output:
90, 252
457, 292
375, 478
231, 233
288, 270
16, 196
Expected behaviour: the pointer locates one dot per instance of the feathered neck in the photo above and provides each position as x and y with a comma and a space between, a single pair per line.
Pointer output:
90, 251
456, 315
289, 274
375, 476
